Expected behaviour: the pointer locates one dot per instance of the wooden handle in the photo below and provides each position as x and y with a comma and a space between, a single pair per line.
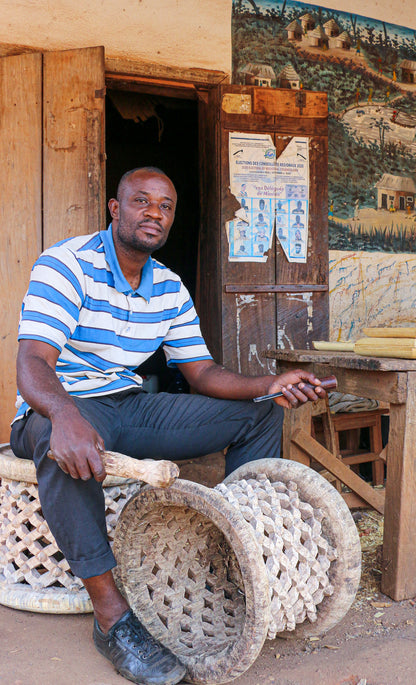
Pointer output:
160, 473
327, 383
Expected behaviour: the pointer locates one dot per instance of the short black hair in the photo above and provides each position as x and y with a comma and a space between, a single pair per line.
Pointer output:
150, 169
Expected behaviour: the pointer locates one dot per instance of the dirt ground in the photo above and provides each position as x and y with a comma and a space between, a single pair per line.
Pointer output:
373, 645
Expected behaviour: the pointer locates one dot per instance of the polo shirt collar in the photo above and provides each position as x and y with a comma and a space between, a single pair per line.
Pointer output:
120, 282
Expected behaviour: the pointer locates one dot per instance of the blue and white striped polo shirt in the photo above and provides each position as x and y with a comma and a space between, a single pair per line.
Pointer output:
79, 301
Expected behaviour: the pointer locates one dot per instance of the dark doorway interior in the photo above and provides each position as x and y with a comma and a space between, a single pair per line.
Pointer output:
149, 130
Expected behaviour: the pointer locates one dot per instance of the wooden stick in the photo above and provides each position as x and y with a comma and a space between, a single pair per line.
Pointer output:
160, 473
316, 451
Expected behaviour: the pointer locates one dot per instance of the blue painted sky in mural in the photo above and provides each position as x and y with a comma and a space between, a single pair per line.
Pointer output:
402, 32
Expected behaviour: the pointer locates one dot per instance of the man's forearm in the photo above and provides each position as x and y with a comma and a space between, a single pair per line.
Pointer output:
40, 387
216, 381
213, 380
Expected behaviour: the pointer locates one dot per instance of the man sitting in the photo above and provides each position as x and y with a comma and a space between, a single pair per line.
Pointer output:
96, 308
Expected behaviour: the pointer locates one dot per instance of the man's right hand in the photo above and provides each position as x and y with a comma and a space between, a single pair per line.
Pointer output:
76, 446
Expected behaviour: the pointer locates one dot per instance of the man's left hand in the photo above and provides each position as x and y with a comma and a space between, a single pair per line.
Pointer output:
295, 392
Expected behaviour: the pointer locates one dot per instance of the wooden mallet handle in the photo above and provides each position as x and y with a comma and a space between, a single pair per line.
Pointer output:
160, 473
327, 383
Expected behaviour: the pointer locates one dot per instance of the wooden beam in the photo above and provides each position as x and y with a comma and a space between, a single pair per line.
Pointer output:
281, 288
387, 386
399, 543
313, 449
151, 70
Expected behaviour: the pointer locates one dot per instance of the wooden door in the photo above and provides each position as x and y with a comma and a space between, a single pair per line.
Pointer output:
73, 143
51, 174
246, 307
20, 206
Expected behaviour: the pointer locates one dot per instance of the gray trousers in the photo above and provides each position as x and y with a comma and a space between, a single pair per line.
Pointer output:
141, 425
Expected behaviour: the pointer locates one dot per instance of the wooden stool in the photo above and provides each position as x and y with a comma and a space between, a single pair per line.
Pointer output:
351, 423
34, 574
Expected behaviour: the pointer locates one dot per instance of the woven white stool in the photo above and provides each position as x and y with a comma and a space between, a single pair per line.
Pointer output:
34, 574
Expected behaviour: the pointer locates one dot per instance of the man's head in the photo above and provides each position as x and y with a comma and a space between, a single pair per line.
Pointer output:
144, 210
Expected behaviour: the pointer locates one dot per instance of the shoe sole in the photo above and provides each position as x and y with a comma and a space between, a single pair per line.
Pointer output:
173, 678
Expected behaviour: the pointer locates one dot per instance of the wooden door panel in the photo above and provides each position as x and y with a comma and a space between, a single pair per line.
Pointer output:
73, 157
248, 319
301, 318
20, 210
276, 303
250, 325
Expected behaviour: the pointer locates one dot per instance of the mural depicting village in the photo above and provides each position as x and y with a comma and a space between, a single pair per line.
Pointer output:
368, 69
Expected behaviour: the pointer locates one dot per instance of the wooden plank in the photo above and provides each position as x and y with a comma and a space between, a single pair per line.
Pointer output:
278, 288
255, 123
357, 419
301, 318
360, 458
390, 332
385, 386
295, 419
117, 66
73, 157
248, 325
347, 360
285, 102
20, 212
313, 449
164, 87
209, 275
248, 320
354, 502
399, 544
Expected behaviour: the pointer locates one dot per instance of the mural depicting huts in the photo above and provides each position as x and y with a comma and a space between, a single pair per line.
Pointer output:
294, 30
253, 74
288, 78
396, 192
307, 32
342, 41
307, 21
317, 38
408, 70
331, 28
368, 70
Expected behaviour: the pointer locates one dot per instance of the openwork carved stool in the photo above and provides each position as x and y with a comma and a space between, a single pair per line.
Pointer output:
214, 572
34, 574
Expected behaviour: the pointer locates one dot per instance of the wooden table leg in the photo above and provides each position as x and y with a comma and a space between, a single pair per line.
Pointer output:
399, 545
296, 418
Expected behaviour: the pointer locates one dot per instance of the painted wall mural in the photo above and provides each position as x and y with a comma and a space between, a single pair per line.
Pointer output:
370, 289
368, 69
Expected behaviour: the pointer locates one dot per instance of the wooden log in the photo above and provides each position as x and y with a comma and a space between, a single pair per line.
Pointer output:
159, 473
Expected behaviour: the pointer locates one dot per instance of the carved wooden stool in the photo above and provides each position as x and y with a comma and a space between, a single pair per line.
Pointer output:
34, 574
212, 572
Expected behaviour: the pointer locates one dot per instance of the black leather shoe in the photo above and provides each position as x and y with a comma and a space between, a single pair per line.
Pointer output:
136, 655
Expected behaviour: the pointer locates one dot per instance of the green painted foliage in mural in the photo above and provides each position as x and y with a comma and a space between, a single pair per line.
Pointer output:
372, 111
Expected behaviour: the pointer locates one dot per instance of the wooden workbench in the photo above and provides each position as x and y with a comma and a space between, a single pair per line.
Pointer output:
392, 381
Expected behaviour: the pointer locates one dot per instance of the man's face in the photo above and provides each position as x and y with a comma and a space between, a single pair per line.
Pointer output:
144, 212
